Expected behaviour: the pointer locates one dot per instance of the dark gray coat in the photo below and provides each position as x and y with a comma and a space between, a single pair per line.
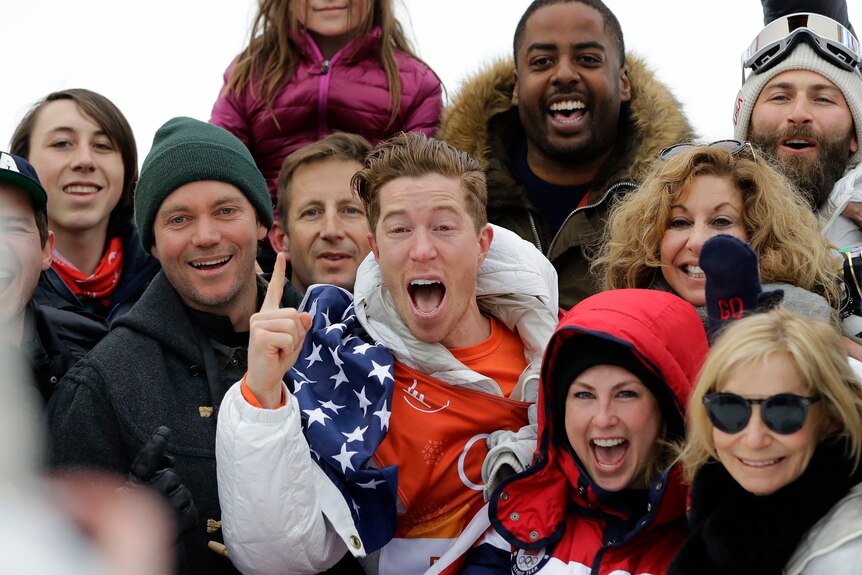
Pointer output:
151, 370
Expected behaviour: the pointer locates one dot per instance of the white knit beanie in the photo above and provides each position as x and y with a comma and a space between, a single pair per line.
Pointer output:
803, 57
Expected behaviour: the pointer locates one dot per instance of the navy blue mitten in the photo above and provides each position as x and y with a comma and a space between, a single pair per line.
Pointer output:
733, 287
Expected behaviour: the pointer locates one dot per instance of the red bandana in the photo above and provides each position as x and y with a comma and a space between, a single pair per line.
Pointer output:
100, 285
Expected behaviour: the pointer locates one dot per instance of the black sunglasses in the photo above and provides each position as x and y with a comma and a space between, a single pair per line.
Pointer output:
784, 413
733, 147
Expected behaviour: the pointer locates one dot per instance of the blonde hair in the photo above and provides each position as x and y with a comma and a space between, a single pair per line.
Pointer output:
814, 348
270, 59
781, 228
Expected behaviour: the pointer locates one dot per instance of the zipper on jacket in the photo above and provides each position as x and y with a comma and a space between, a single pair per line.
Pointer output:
536, 239
323, 101
612, 190
323, 89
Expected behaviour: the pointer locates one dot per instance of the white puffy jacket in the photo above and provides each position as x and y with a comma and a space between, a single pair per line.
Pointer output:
833, 546
280, 512
838, 229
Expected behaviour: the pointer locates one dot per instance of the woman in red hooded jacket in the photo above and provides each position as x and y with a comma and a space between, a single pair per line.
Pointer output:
603, 495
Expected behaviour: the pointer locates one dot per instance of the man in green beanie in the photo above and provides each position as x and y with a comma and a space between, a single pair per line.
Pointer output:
201, 206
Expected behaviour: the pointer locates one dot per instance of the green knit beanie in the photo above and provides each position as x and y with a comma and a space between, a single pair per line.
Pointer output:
186, 150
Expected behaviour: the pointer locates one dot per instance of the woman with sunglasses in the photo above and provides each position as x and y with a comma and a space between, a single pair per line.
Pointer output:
603, 494
695, 192
774, 447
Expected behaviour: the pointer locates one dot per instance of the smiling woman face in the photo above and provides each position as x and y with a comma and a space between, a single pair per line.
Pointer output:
612, 422
710, 206
759, 459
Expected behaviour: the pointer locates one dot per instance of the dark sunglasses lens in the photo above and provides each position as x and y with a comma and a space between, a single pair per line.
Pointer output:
784, 413
729, 413
730, 146
674, 150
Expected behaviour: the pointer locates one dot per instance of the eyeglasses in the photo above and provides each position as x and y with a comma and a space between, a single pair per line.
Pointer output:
733, 147
829, 38
784, 413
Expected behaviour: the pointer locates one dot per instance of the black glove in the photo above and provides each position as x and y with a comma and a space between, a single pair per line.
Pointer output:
732, 282
156, 470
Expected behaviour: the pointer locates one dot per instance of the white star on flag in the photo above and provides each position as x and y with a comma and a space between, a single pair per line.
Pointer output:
363, 401
317, 416
334, 353
348, 312
314, 355
339, 378
333, 327
303, 376
383, 414
344, 458
362, 348
381, 372
330, 405
355, 435
371, 484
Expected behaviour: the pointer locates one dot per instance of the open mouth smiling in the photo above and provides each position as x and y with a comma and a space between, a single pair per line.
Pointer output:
799, 144
694, 272
210, 264
81, 189
760, 463
426, 295
568, 110
609, 452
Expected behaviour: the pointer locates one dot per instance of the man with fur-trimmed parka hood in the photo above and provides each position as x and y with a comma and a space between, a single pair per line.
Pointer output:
572, 124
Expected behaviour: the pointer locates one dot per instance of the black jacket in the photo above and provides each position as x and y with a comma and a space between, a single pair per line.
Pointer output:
53, 341
139, 268
734, 531
156, 367
483, 122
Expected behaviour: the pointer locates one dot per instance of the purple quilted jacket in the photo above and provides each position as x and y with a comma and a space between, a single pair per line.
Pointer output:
347, 93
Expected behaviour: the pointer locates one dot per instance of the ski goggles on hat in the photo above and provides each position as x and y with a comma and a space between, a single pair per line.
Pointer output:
830, 39
733, 147
784, 413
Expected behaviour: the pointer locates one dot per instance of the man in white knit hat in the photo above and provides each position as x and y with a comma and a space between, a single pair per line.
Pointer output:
802, 102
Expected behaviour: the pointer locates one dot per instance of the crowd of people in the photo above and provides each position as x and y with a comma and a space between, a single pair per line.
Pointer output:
339, 328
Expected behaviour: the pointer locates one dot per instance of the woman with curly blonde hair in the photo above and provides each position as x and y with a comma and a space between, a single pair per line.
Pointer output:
697, 191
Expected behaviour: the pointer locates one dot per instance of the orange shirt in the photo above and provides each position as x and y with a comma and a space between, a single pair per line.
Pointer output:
439, 443
500, 357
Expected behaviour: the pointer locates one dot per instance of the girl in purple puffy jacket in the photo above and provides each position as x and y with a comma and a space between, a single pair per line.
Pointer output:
314, 67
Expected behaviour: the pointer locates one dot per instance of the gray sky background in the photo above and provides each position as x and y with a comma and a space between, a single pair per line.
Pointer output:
165, 58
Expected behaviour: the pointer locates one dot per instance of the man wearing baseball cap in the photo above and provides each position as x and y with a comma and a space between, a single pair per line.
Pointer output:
802, 103
201, 207
52, 340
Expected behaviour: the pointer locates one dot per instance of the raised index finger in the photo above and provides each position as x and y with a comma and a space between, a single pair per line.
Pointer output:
272, 301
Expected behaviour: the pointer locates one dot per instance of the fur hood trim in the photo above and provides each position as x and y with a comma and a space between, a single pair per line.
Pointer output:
655, 114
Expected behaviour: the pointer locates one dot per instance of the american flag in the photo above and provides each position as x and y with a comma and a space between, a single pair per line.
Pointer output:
343, 382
